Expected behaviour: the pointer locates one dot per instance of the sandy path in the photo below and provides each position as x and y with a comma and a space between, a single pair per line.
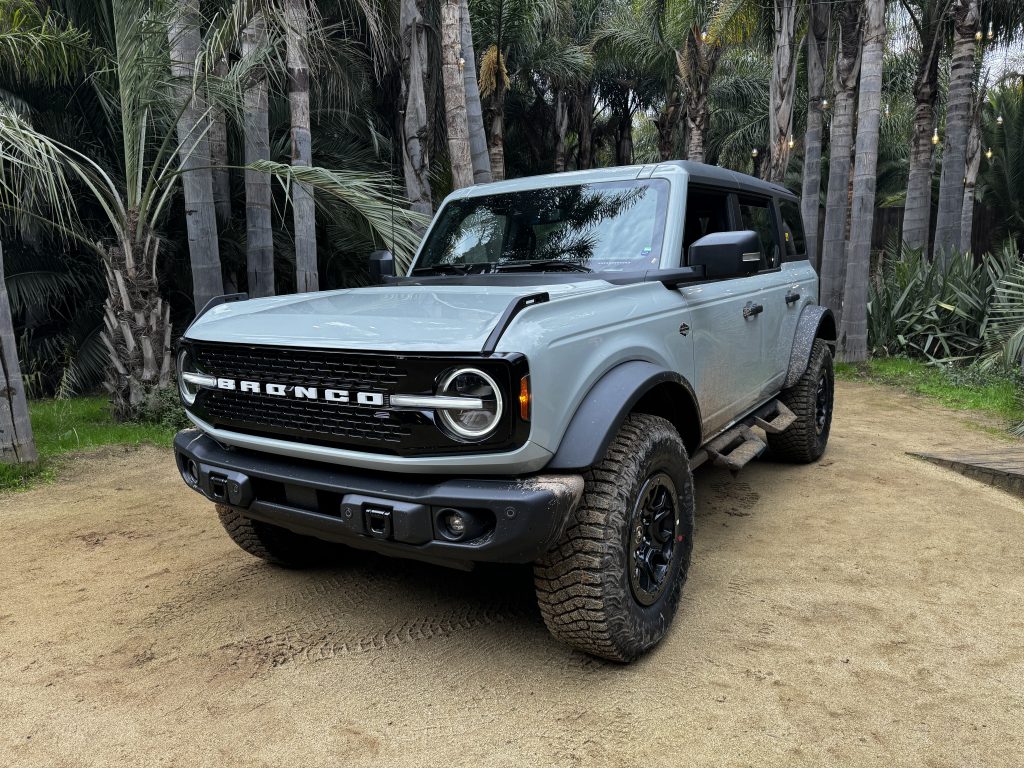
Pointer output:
867, 610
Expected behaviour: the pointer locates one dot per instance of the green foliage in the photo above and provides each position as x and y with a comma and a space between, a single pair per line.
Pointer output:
954, 386
164, 409
63, 426
920, 309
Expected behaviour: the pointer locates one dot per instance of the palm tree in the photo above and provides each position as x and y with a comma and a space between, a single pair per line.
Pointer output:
818, 23
783, 88
847, 69
853, 334
928, 19
966, 23
296, 15
259, 240
973, 166
413, 131
474, 112
456, 120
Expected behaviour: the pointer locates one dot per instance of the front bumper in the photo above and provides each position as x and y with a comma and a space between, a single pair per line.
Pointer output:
401, 515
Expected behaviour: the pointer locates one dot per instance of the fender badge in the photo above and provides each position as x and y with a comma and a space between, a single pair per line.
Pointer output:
684, 329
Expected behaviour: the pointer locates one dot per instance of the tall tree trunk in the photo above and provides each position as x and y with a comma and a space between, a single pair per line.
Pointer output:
624, 135
496, 143
136, 327
973, 165
17, 445
586, 132
415, 159
219, 154
817, 57
701, 60
456, 121
194, 154
853, 334
259, 235
958, 118
782, 89
561, 127
833, 246
917, 212
303, 208
667, 123
474, 112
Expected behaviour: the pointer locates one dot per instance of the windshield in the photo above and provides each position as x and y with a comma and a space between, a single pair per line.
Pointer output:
589, 227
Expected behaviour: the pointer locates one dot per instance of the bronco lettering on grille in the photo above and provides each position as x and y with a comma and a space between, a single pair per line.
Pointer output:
302, 393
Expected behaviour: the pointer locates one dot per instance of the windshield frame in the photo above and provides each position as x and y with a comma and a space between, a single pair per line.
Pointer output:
665, 199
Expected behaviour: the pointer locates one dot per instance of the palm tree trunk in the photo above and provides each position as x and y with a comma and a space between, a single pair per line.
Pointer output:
667, 124
496, 143
624, 135
973, 164
259, 235
194, 152
833, 246
917, 210
781, 89
17, 446
958, 117
303, 208
456, 121
853, 334
586, 132
136, 328
219, 154
561, 127
817, 57
701, 60
415, 160
474, 112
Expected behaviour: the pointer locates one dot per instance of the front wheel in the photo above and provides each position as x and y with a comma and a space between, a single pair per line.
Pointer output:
611, 585
272, 543
811, 400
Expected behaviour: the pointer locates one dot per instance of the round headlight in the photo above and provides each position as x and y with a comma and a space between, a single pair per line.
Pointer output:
476, 423
185, 365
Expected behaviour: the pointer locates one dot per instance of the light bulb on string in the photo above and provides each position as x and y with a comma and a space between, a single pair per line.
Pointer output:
935, 137
977, 35
824, 103
754, 152
886, 110
991, 32
791, 142
999, 120
988, 153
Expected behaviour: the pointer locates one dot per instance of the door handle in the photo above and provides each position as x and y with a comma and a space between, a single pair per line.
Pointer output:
792, 297
751, 309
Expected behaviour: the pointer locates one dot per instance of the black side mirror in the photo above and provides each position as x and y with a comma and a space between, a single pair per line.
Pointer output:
727, 254
382, 266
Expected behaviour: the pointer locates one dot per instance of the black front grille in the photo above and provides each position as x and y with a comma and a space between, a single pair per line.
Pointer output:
379, 428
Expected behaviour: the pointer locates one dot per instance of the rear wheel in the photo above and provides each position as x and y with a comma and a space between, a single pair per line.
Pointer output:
273, 543
611, 585
811, 399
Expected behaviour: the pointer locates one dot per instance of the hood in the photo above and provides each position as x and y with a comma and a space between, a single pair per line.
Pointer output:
416, 318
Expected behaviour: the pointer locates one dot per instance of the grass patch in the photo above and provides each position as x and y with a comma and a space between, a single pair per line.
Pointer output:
965, 389
61, 426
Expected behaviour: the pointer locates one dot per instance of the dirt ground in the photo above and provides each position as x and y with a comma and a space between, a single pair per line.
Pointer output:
866, 610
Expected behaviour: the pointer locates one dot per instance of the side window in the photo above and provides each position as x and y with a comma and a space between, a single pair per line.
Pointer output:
756, 214
707, 211
792, 231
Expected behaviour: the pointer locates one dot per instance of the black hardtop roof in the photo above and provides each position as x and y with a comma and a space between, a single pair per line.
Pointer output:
701, 173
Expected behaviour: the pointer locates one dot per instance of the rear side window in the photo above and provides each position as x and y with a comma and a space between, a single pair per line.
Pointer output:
792, 230
756, 214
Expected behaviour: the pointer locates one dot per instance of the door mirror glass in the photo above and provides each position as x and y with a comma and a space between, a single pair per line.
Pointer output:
382, 266
727, 254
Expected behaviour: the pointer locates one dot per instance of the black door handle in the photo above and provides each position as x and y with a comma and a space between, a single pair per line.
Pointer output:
752, 309
792, 297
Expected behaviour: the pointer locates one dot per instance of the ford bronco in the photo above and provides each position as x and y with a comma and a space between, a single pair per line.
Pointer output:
537, 388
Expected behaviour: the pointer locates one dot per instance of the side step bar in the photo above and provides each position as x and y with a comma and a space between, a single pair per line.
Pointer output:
739, 445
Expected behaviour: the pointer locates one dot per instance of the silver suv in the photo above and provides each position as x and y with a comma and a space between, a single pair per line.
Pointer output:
538, 388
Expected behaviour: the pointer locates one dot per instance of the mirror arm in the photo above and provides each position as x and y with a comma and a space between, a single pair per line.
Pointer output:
672, 278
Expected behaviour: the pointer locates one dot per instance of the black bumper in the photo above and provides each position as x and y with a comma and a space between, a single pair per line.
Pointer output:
514, 520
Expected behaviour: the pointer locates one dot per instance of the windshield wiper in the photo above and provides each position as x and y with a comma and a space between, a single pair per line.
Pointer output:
542, 265
442, 269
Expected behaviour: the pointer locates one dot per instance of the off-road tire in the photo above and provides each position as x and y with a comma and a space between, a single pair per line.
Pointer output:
806, 438
272, 543
583, 584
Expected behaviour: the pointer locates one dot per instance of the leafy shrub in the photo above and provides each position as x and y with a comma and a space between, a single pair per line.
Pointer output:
164, 410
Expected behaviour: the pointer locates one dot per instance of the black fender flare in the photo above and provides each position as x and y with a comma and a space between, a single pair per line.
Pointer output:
606, 406
816, 322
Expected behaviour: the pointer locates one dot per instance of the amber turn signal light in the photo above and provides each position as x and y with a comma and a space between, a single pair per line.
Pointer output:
524, 398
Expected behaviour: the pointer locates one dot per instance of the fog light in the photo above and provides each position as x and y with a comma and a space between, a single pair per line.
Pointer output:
456, 523
192, 472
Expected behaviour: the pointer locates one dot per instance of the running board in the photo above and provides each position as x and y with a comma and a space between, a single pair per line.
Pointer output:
737, 447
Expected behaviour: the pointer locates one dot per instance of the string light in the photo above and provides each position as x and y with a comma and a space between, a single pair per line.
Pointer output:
886, 110
753, 152
999, 120
703, 35
462, 63
988, 153
977, 35
991, 33
792, 143
824, 103
935, 136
